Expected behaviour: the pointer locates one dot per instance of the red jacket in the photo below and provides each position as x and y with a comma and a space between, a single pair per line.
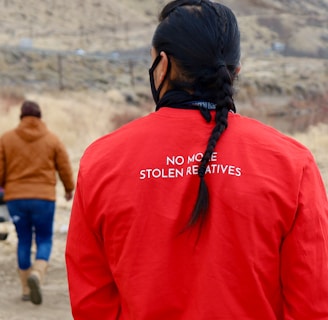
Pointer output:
262, 253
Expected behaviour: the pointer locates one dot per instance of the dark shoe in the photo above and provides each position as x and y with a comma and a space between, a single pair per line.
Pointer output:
3, 233
3, 236
26, 297
35, 290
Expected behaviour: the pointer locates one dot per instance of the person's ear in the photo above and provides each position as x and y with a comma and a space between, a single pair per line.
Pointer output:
163, 66
238, 68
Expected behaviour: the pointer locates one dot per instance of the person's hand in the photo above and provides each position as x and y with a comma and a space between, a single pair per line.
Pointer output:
68, 195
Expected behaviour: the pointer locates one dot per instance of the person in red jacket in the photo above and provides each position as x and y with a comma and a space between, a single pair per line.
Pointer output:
30, 158
195, 212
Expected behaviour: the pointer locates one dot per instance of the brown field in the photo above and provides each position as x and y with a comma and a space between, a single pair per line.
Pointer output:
79, 118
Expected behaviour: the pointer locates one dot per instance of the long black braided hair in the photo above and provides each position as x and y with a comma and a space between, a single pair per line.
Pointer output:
202, 37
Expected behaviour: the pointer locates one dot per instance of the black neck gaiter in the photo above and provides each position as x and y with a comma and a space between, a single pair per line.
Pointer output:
183, 100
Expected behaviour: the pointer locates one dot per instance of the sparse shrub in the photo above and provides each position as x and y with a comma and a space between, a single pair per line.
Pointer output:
12, 93
119, 119
10, 96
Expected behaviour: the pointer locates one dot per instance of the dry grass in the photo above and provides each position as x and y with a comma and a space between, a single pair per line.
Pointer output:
80, 118
316, 139
10, 97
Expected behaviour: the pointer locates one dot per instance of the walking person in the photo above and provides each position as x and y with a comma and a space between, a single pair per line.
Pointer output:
195, 212
30, 158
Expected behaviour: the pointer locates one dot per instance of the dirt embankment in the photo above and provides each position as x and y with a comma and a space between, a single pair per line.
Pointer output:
104, 45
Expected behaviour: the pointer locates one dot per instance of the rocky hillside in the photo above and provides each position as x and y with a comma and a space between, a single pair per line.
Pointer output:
107, 25
101, 44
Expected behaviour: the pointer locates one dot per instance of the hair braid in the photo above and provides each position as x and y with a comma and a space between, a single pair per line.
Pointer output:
224, 104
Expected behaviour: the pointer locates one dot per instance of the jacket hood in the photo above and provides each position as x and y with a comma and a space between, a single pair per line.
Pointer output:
31, 128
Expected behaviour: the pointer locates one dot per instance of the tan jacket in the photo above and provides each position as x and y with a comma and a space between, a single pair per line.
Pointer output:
30, 156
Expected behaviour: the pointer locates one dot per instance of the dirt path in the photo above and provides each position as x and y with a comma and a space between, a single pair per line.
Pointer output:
55, 304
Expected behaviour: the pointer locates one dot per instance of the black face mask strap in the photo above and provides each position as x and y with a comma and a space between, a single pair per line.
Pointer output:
151, 77
155, 92
155, 63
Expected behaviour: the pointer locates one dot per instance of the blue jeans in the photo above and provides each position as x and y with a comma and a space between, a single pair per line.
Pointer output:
32, 218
